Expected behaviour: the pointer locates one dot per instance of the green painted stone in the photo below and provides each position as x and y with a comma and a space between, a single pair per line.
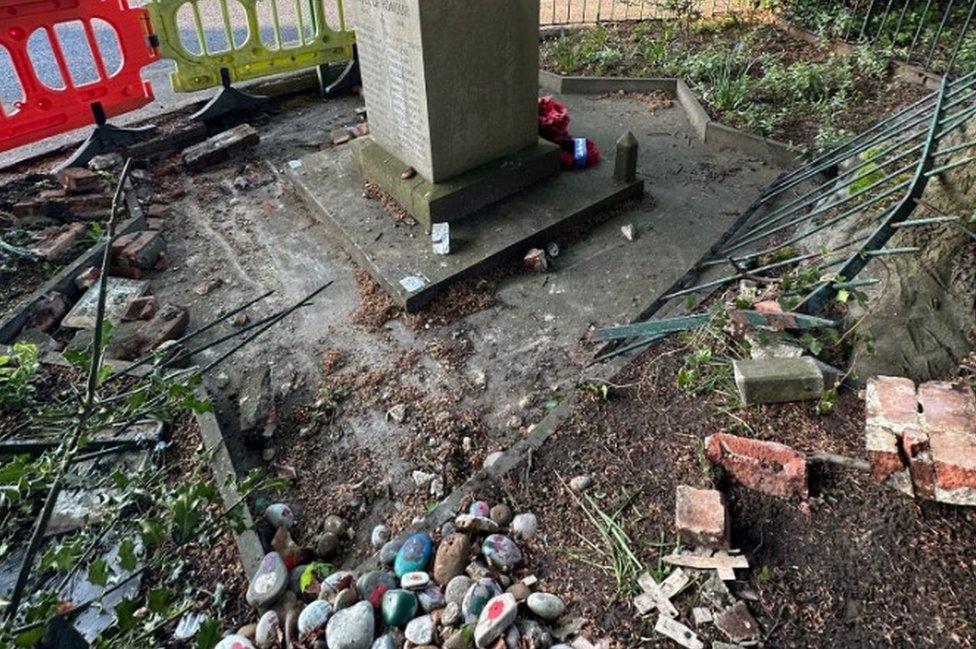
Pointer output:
398, 607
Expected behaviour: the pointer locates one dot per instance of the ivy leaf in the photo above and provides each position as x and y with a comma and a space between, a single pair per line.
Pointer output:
151, 533
209, 634
127, 555
30, 638
158, 600
843, 295
125, 611
98, 572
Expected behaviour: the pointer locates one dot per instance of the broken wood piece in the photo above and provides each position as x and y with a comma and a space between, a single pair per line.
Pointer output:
721, 562
659, 595
678, 632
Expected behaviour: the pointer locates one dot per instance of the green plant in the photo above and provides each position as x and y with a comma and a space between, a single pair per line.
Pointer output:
18, 371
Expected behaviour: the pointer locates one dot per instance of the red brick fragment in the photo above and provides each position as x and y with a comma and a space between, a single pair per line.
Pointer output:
47, 313
948, 416
891, 412
79, 179
771, 468
61, 244
700, 517
87, 278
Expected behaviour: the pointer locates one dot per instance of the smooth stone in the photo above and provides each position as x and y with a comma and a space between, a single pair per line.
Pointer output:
414, 580
379, 536
580, 482
478, 524
326, 545
268, 632
372, 586
420, 630
534, 635
351, 628
414, 555
501, 552
512, 637
479, 508
524, 527
389, 551
384, 642
280, 515
461, 639
451, 614
398, 607
477, 597
519, 591
234, 642
248, 631
346, 598
501, 514
334, 524
456, 589
269, 582
451, 558
545, 605
498, 614
314, 616
431, 598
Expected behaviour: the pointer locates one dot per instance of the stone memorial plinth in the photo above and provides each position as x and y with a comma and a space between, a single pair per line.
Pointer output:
451, 90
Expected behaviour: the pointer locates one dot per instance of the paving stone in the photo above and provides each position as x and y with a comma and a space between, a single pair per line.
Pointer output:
701, 518
778, 380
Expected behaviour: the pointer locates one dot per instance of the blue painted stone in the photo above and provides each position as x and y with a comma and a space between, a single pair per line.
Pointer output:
398, 607
479, 508
414, 555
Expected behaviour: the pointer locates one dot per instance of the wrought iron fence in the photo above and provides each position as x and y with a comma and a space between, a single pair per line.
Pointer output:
586, 12
939, 35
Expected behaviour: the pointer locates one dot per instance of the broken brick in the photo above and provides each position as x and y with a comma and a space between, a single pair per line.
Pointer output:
775, 469
737, 623
341, 136
79, 179
948, 419
87, 278
132, 340
138, 249
700, 517
61, 244
891, 412
220, 147
141, 308
535, 260
157, 211
47, 313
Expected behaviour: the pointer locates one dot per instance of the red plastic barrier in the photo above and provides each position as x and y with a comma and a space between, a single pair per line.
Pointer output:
47, 111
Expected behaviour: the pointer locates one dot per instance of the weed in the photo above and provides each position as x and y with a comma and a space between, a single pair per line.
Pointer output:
18, 371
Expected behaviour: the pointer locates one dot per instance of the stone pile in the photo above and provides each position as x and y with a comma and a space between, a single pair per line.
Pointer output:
470, 590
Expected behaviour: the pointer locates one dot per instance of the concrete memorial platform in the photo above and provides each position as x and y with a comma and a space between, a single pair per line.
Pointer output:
402, 259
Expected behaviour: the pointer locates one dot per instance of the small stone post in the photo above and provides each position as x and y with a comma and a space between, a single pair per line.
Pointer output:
625, 169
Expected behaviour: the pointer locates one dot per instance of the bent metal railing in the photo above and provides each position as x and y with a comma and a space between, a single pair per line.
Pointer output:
814, 236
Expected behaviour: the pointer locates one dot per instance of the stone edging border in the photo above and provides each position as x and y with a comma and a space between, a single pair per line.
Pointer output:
715, 135
64, 280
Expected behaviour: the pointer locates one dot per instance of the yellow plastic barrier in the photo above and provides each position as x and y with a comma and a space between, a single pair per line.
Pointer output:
188, 29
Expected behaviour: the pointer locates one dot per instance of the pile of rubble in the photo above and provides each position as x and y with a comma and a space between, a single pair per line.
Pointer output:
472, 589
702, 523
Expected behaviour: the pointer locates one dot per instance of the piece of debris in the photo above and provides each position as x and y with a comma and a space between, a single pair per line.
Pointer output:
138, 249
722, 562
737, 623
220, 147
397, 413
86, 278
256, 412
764, 345
440, 236
408, 173
771, 468
629, 232
341, 136
79, 179
536, 261
203, 288
659, 595
701, 615
778, 380
929, 432
105, 162
119, 292
141, 308
412, 283
701, 518
61, 243
678, 632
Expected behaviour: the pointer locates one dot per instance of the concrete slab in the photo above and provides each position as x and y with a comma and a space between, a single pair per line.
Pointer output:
405, 264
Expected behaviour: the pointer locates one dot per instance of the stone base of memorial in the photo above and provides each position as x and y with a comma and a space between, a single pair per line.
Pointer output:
462, 195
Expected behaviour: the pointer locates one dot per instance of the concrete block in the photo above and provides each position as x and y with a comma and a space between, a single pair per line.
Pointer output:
701, 518
778, 380
772, 468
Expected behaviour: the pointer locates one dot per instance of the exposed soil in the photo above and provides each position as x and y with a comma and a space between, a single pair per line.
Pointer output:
866, 567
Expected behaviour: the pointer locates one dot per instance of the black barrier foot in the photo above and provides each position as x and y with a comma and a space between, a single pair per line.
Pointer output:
229, 100
350, 77
106, 138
